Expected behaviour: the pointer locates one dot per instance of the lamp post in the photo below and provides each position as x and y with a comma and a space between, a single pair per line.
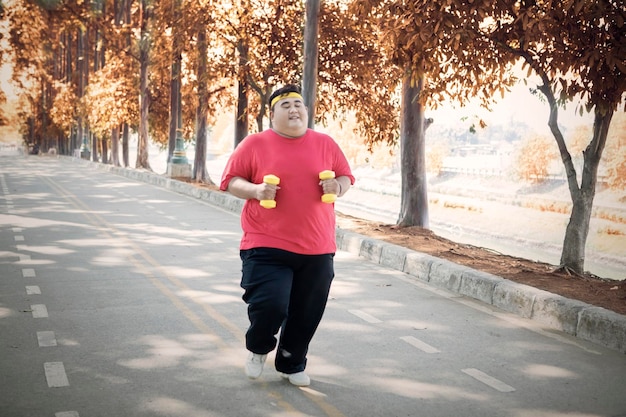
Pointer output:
85, 153
179, 166
179, 156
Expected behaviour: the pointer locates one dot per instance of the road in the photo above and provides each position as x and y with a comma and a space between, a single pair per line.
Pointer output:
119, 298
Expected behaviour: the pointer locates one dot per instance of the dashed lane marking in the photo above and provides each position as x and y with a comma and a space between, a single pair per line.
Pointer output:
66, 414
33, 290
425, 347
18, 238
28, 273
39, 311
488, 380
55, 374
363, 315
46, 339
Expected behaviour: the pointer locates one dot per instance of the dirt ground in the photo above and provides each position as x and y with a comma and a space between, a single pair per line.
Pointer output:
590, 289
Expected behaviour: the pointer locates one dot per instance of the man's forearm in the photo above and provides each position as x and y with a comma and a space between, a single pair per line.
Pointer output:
242, 188
344, 184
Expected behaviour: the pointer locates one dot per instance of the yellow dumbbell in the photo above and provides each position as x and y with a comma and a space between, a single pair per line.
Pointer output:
274, 180
327, 175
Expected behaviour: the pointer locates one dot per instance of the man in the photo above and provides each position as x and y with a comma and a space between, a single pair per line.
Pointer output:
287, 252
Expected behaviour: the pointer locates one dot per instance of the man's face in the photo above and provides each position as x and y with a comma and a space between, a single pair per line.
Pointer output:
290, 117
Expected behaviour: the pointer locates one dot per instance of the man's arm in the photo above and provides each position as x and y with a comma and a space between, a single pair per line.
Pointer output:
344, 185
242, 188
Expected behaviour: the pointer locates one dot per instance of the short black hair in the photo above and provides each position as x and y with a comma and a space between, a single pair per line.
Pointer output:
289, 88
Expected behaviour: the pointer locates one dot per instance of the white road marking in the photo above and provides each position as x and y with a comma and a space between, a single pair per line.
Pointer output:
363, 315
46, 339
17, 230
33, 289
24, 258
425, 347
66, 414
18, 238
39, 311
28, 273
488, 380
55, 374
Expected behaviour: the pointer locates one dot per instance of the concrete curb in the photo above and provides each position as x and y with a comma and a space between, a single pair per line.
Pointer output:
584, 321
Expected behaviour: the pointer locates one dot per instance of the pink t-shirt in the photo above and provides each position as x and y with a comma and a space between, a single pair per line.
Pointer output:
301, 222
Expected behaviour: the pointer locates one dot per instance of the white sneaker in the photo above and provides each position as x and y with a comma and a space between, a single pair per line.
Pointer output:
299, 379
254, 365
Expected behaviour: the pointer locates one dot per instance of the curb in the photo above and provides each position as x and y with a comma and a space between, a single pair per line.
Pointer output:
581, 320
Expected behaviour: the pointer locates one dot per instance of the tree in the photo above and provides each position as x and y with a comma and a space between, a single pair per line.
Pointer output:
414, 198
575, 47
423, 40
534, 157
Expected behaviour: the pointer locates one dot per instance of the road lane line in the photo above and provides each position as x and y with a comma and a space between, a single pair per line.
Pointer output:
425, 347
55, 374
66, 414
39, 311
18, 238
28, 273
488, 380
17, 230
46, 339
33, 290
363, 315
143, 266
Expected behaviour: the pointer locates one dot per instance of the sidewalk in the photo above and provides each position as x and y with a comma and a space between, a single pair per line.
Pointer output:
573, 317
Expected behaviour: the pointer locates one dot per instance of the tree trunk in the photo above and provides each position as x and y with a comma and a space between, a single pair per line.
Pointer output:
241, 118
105, 151
577, 231
414, 199
126, 13
575, 240
199, 163
125, 138
309, 77
115, 146
144, 94
94, 147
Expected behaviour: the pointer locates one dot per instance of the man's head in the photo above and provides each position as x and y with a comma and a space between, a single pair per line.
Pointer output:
288, 113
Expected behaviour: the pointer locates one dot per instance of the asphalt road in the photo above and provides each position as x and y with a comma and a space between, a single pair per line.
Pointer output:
119, 298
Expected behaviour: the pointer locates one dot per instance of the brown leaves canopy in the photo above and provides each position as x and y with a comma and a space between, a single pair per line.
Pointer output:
579, 44
466, 48
356, 76
442, 41
111, 97
64, 108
